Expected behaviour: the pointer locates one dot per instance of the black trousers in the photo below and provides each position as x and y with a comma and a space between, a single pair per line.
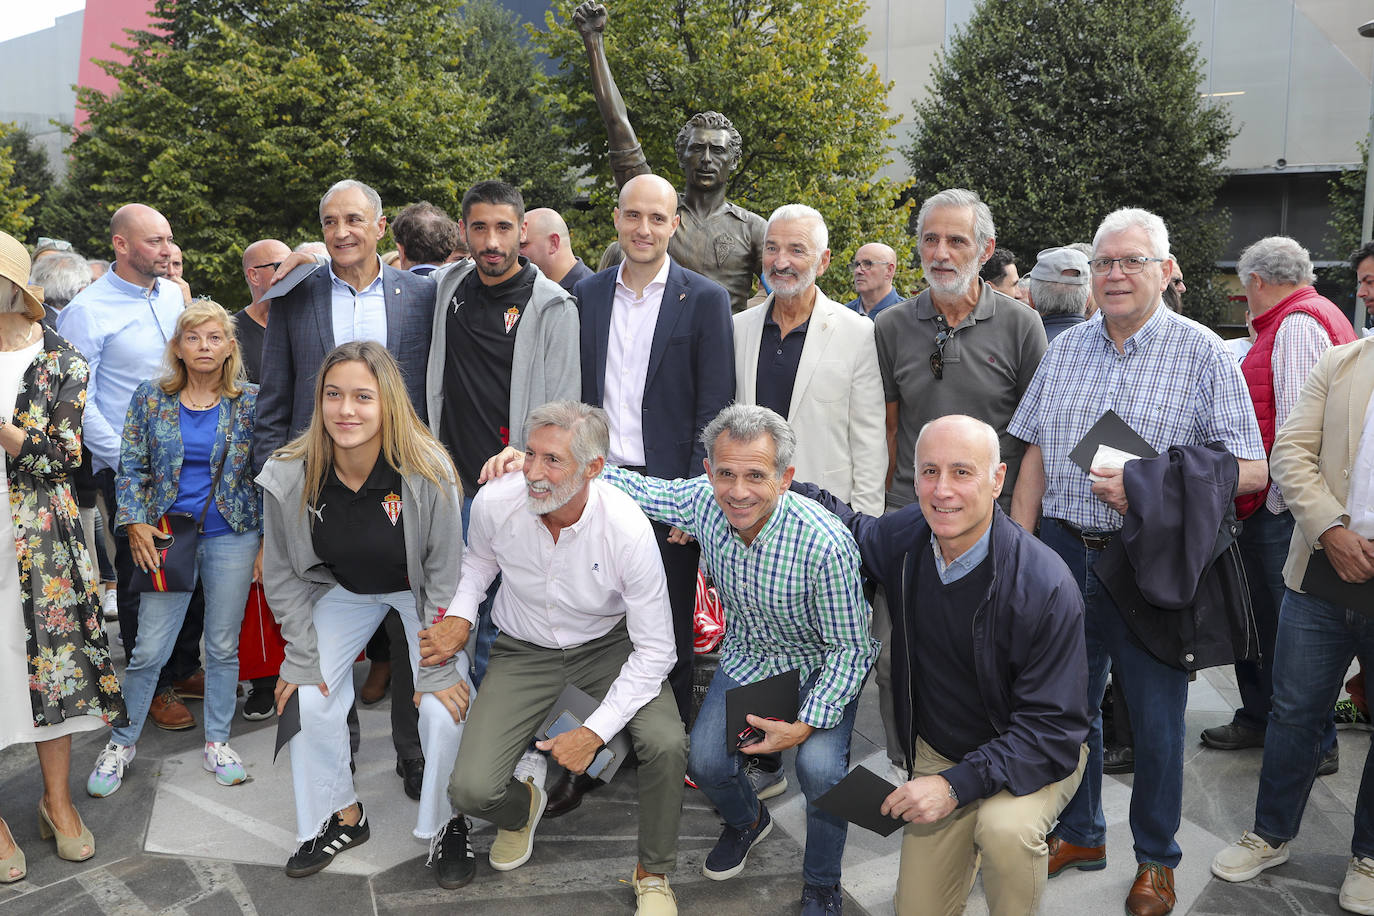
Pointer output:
389, 644
186, 653
680, 568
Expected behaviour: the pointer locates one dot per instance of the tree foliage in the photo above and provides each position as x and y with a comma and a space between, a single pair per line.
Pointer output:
30, 180
232, 118
496, 58
1058, 113
1345, 194
790, 74
16, 183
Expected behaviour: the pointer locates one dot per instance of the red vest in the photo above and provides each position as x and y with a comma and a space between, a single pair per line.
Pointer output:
1258, 366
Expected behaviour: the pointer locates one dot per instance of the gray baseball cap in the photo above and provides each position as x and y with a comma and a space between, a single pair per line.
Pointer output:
1062, 265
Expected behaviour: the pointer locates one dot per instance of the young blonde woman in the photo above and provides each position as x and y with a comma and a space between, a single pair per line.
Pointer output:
362, 515
187, 434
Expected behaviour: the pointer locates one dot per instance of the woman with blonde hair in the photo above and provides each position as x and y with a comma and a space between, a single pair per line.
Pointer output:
56, 676
188, 445
362, 515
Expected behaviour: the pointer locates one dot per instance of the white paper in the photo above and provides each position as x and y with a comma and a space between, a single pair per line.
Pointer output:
1111, 458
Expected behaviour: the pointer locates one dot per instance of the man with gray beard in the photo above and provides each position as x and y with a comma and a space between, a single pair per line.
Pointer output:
958, 347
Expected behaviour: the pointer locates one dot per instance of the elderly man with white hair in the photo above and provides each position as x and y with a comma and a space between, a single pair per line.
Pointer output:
813, 361
1059, 288
1294, 325
874, 267
1174, 383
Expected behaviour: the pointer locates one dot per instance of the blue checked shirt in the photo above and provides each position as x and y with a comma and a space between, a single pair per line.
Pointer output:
792, 598
1175, 384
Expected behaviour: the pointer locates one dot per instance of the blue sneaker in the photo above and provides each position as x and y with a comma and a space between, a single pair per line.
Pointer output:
821, 901
108, 774
732, 849
221, 760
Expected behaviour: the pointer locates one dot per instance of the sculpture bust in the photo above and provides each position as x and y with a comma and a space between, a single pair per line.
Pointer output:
717, 238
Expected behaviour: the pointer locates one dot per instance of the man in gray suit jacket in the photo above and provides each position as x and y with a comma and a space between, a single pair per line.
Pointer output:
354, 297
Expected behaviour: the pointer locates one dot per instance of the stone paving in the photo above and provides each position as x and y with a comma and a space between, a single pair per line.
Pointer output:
172, 841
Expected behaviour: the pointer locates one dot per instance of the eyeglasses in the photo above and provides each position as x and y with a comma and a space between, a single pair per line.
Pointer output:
47, 244
1177, 283
937, 359
273, 264
867, 264
1132, 265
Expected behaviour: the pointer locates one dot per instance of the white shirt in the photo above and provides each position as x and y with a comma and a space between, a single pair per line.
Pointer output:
358, 315
1360, 506
1299, 342
633, 319
603, 569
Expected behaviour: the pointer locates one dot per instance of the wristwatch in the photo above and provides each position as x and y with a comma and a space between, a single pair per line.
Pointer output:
954, 796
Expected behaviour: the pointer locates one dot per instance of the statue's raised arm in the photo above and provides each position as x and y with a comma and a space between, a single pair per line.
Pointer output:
626, 155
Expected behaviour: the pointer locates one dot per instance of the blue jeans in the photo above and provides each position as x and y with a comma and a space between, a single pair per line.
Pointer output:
1156, 695
1316, 641
486, 627
822, 761
224, 565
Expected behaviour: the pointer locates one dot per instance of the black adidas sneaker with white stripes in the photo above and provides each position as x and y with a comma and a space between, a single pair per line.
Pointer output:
336, 836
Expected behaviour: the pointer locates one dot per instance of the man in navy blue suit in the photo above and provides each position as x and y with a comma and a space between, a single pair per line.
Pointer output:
355, 297
658, 355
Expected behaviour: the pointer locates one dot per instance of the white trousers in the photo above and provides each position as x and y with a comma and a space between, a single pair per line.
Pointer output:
344, 622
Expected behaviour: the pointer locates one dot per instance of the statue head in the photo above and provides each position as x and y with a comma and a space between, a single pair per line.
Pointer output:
708, 149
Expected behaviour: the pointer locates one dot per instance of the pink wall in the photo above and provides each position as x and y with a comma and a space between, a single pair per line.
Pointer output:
103, 25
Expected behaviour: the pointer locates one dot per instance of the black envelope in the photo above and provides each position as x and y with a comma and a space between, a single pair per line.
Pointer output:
858, 798
288, 282
1113, 431
288, 723
1323, 581
772, 698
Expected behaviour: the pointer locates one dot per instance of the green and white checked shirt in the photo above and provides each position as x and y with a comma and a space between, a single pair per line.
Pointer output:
792, 598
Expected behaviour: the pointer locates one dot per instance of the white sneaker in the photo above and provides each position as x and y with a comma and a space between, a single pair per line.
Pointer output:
108, 774
109, 604
897, 773
227, 766
1247, 857
1357, 892
532, 766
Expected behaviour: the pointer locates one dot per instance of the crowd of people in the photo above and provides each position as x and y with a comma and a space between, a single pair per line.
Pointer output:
501, 474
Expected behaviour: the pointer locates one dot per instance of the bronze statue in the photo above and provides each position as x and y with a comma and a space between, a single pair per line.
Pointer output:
717, 238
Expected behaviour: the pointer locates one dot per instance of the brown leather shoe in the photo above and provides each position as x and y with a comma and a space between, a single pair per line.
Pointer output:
566, 794
193, 688
378, 680
1066, 855
1152, 894
169, 712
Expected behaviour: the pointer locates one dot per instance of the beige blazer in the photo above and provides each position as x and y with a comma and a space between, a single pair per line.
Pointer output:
837, 408
1314, 452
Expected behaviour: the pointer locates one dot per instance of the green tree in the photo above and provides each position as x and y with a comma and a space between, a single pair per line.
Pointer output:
16, 191
790, 74
1058, 113
1345, 194
31, 171
496, 58
232, 118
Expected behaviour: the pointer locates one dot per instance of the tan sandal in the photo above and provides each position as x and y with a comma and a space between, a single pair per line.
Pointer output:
68, 847
14, 860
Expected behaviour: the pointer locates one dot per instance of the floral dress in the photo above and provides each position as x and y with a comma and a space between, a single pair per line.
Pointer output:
48, 586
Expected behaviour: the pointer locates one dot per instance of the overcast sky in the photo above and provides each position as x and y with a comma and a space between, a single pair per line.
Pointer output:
20, 17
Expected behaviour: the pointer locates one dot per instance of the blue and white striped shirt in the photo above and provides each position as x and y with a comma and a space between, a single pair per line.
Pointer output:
1175, 384
792, 598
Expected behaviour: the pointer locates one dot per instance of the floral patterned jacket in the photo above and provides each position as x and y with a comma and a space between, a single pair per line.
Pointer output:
70, 670
150, 459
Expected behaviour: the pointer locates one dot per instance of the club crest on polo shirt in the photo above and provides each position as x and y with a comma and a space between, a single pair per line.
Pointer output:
392, 504
512, 316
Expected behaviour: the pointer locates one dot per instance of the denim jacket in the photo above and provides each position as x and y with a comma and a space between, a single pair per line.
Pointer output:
151, 455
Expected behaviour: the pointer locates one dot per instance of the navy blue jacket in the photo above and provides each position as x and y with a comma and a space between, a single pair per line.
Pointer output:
691, 364
300, 333
1029, 652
